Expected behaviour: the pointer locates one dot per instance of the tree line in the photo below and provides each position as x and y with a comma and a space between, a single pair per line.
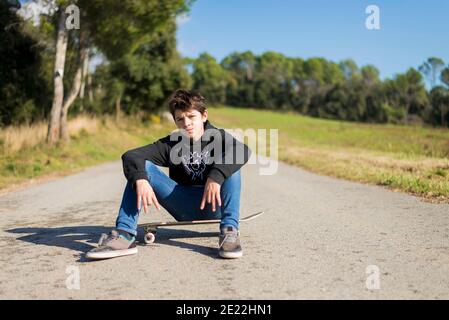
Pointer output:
325, 89
44, 72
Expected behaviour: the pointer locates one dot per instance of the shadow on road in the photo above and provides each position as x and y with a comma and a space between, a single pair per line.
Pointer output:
166, 236
84, 238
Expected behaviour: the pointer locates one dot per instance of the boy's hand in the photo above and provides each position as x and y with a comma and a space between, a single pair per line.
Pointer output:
146, 195
211, 194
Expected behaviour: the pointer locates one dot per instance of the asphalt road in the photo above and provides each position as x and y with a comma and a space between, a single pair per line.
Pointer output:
320, 238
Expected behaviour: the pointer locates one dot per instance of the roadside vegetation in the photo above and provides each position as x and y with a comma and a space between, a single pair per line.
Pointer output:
412, 159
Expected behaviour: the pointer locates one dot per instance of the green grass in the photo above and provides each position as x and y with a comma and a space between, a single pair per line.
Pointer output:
411, 159
401, 140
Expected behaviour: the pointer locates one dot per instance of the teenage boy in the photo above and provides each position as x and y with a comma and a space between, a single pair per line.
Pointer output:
204, 179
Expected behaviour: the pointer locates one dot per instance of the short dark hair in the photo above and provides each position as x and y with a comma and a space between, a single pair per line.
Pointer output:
184, 100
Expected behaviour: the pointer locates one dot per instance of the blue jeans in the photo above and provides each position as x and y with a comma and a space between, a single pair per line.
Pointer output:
182, 202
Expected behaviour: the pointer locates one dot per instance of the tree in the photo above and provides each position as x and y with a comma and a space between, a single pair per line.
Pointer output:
102, 26
23, 83
299, 98
370, 75
58, 76
272, 81
74, 92
241, 70
407, 91
334, 104
440, 104
141, 81
432, 68
320, 76
84, 77
210, 78
349, 69
445, 76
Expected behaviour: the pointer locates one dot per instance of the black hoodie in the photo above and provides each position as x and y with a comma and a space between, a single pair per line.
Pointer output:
190, 163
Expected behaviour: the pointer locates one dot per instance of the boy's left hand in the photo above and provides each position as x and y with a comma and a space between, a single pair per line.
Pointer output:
211, 194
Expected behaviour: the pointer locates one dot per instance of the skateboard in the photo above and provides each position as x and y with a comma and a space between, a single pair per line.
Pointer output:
150, 229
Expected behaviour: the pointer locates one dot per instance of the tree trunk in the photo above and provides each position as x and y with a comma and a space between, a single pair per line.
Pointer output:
118, 108
58, 96
83, 53
84, 78
89, 88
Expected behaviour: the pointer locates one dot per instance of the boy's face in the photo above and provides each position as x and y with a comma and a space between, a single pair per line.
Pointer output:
191, 122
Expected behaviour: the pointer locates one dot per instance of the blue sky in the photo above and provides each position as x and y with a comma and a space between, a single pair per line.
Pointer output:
410, 31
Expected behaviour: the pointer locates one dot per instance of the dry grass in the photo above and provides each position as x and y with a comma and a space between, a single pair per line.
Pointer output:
93, 141
16, 138
87, 123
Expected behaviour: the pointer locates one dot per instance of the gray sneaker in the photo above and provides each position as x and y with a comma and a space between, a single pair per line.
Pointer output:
113, 245
229, 243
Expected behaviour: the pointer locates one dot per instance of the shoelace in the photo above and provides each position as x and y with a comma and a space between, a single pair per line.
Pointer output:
231, 236
105, 238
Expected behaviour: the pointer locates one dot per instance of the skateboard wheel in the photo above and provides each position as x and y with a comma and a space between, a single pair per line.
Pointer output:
149, 238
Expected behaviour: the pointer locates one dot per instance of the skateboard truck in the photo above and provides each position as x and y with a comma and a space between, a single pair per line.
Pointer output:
150, 229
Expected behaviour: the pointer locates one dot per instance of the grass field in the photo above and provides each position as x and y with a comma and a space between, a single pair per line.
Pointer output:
402, 158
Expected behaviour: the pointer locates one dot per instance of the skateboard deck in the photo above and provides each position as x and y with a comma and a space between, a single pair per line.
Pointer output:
150, 229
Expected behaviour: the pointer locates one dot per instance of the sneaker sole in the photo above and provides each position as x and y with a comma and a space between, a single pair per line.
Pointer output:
230, 255
110, 254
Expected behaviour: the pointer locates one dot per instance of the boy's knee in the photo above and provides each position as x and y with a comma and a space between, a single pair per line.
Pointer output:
151, 170
150, 167
149, 164
234, 178
231, 185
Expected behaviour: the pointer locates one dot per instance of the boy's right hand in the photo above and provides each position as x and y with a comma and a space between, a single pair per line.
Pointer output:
145, 195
